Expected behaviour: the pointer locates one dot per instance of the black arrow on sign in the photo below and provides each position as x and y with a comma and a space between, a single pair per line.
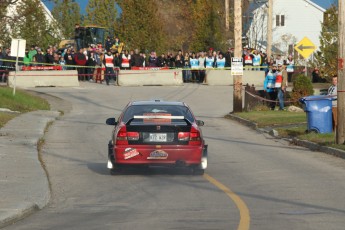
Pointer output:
301, 47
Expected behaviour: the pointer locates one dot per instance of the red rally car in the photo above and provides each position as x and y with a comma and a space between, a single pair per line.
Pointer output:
157, 133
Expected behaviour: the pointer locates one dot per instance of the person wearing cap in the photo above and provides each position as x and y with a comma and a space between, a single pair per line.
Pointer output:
281, 84
269, 86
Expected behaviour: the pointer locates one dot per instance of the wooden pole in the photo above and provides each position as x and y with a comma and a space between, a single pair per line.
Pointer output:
340, 130
237, 82
227, 13
269, 29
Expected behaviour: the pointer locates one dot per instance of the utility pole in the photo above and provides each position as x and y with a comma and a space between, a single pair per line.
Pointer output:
227, 13
269, 29
237, 94
340, 135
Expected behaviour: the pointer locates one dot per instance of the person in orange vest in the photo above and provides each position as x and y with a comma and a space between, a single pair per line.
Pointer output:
108, 61
281, 85
125, 60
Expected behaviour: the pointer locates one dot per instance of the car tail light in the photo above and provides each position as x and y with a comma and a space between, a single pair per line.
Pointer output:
123, 136
195, 138
183, 136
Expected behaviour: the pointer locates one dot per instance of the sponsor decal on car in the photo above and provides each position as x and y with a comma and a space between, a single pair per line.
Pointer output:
158, 155
129, 153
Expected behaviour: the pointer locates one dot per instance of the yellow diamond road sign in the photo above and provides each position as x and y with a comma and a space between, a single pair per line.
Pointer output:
305, 47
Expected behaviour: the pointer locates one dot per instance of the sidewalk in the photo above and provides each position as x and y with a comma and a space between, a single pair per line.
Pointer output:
24, 186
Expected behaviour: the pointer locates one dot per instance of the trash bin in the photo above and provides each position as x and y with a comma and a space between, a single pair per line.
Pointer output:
319, 113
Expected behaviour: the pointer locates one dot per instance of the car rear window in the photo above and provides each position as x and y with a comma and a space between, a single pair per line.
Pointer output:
160, 110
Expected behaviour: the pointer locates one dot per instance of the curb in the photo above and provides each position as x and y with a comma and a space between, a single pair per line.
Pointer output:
19, 138
307, 144
19, 214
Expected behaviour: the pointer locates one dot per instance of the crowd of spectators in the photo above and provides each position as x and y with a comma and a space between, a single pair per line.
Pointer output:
88, 60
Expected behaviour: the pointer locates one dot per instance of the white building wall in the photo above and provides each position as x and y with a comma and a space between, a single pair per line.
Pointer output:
302, 19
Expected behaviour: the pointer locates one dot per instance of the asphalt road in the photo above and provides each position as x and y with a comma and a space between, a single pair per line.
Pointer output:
253, 180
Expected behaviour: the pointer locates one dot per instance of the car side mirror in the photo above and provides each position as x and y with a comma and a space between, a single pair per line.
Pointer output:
200, 123
111, 121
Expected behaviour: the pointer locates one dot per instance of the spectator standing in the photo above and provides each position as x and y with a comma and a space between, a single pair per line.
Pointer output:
332, 91
109, 66
179, 61
202, 63
39, 58
152, 59
80, 61
220, 61
91, 63
194, 65
186, 73
256, 60
280, 85
125, 60
26, 60
228, 55
78, 36
32, 53
49, 57
290, 67
109, 43
279, 60
69, 59
315, 75
161, 61
136, 59
269, 86
248, 60
171, 60
209, 60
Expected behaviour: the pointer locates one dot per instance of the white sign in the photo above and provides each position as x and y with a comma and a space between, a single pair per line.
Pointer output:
236, 66
18, 47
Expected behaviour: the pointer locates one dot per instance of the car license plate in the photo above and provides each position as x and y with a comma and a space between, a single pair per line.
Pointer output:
158, 137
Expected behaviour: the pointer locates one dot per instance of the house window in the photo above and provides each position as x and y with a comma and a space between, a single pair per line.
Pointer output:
280, 20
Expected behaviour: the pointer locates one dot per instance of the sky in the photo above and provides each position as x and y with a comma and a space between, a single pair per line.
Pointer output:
82, 3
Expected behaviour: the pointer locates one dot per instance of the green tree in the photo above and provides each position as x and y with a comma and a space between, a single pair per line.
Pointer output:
326, 58
102, 13
33, 25
140, 25
67, 14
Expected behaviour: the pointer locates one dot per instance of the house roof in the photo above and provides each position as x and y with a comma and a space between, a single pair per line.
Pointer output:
315, 5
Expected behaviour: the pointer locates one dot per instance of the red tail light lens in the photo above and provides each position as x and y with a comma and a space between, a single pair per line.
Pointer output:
123, 136
195, 138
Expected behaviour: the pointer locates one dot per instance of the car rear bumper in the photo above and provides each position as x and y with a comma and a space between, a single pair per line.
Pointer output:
158, 155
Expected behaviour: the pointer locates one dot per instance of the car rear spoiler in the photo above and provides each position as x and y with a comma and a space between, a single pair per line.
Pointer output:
158, 117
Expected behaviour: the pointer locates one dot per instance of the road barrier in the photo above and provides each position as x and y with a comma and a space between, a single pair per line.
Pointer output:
169, 77
67, 78
224, 77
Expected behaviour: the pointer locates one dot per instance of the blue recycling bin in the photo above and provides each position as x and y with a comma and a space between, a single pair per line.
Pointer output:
319, 113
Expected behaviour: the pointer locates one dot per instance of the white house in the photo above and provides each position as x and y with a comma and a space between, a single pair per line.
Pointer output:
12, 11
292, 21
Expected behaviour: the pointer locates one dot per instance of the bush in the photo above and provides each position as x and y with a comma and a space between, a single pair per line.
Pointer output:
302, 87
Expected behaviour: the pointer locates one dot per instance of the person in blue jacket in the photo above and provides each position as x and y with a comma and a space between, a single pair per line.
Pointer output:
269, 86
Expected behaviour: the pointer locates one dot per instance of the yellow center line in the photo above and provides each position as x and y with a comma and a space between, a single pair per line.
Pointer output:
242, 207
